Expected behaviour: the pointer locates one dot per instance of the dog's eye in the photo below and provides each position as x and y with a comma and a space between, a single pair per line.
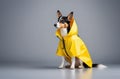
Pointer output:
62, 21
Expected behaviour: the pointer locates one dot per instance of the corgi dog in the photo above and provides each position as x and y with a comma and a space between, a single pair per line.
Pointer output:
70, 43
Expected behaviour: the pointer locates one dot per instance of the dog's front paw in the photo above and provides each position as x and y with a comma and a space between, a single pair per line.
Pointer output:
72, 67
80, 67
60, 67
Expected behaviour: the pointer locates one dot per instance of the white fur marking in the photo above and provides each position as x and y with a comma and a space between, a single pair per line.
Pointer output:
101, 66
73, 63
63, 31
62, 63
58, 25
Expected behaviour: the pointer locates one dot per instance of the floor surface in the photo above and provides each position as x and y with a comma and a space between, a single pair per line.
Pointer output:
36, 72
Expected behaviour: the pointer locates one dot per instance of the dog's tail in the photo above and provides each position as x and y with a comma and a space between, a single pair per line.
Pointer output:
99, 66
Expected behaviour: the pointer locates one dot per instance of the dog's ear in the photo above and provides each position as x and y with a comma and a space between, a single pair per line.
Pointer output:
70, 16
59, 13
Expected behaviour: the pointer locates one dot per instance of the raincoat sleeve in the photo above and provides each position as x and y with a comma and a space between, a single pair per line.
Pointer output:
60, 49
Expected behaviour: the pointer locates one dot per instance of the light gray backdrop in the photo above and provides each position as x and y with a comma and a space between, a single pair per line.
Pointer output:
27, 34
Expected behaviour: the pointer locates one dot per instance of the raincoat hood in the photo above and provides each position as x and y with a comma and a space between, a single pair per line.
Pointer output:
73, 30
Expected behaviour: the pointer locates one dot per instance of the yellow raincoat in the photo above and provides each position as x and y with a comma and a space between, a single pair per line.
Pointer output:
73, 46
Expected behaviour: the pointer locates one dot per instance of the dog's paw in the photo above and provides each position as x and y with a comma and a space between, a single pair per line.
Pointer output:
61, 67
72, 67
80, 67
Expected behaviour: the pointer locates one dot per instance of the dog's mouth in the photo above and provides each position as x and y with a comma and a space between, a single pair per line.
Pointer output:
57, 25
61, 25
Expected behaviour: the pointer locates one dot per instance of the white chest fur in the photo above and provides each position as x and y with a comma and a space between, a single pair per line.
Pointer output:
63, 31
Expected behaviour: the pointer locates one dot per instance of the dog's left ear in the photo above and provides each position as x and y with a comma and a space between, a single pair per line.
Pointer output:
59, 14
70, 16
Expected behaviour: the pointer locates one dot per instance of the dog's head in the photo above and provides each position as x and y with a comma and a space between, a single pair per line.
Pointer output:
63, 21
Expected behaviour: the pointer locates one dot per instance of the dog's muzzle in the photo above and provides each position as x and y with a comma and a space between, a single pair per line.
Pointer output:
57, 25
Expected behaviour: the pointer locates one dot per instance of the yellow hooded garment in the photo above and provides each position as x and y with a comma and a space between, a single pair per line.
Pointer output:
73, 46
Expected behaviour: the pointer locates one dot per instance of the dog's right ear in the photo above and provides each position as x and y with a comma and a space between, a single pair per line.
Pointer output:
70, 16
59, 13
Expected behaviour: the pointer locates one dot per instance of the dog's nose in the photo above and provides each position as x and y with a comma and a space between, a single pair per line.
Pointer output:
55, 25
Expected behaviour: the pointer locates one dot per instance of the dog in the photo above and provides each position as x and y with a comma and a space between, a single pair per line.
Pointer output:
71, 47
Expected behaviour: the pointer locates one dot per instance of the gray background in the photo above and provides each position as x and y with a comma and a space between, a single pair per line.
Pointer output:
27, 34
